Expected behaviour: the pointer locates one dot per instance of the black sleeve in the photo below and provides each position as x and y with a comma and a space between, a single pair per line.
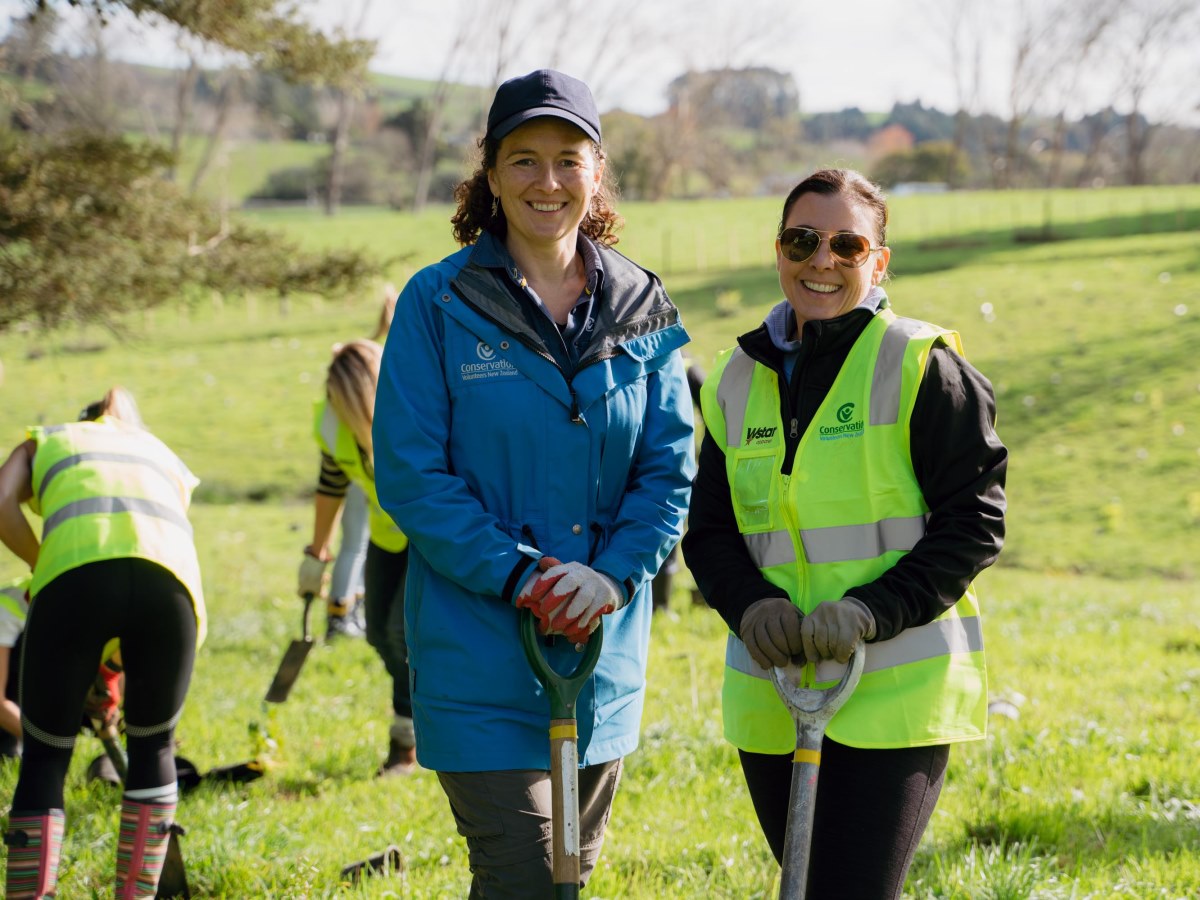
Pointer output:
712, 547
695, 380
332, 482
960, 465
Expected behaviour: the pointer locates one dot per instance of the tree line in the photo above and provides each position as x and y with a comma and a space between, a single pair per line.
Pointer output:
72, 175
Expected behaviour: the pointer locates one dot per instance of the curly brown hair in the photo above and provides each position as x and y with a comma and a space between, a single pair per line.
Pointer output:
474, 198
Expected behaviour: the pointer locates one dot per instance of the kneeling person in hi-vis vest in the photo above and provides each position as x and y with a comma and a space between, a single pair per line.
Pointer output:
14, 605
850, 486
115, 560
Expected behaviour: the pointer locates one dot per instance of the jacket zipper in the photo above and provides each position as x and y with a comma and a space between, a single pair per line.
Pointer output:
786, 408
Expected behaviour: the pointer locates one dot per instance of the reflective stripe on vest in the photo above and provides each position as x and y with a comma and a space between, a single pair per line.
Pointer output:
336, 440
938, 638
823, 545
98, 456
108, 505
848, 511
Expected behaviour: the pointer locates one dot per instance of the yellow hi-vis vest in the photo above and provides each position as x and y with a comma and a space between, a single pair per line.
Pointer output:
338, 441
12, 598
850, 509
108, 490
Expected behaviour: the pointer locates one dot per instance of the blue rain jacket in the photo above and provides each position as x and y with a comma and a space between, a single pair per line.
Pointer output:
487, 457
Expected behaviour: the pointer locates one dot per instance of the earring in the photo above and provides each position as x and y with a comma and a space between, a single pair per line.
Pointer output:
495, 207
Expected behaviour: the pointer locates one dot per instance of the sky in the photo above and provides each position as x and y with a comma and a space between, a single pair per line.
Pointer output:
869, 53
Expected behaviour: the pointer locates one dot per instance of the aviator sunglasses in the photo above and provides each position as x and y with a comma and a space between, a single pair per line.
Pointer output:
848, 248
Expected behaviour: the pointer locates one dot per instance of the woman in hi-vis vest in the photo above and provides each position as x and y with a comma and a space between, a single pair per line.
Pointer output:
342, 428
115, 560
851, 486
345, 609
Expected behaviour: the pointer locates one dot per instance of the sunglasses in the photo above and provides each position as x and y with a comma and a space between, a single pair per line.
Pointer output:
848, 248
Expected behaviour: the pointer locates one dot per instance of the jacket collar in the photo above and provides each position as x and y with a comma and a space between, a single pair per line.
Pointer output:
631, 304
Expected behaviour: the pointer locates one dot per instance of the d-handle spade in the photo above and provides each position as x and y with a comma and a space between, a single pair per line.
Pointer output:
292, 662
563, 691
811, 709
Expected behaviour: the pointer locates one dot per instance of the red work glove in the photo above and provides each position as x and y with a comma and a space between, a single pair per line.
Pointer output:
591, 594
537, 594
103, 702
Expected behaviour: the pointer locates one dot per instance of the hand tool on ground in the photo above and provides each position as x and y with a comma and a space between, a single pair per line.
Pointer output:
811, 710
292, 662
563, 691
110, 765
389, 862
190, 777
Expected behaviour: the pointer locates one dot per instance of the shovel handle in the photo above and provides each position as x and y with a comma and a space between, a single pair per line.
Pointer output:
308, 602
563, 689
111, 739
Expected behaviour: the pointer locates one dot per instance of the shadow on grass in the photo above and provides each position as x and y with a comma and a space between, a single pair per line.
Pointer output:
1079, 840
222, 493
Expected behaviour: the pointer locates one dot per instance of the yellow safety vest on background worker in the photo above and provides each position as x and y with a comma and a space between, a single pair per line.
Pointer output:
848, 512
12, 598
338, 441
109, 490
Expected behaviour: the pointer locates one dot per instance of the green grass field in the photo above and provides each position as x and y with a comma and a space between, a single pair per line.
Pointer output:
1090, 792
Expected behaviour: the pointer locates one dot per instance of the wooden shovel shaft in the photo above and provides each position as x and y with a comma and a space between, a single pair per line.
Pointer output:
564, 785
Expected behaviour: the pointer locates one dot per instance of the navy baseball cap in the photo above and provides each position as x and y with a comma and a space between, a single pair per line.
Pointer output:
543, 93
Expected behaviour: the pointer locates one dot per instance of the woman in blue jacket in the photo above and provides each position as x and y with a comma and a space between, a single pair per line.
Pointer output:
532, 401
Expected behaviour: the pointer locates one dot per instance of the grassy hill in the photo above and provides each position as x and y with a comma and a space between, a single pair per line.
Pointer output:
1087, 789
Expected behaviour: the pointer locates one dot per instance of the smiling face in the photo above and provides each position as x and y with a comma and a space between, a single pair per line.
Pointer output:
821, 287
545, 175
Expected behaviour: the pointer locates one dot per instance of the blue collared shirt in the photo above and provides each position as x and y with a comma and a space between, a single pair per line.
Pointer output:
565, 342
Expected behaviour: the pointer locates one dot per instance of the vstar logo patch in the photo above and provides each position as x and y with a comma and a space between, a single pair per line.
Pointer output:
760, 434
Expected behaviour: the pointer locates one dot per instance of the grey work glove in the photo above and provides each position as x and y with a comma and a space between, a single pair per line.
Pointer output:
832, 630
771, 632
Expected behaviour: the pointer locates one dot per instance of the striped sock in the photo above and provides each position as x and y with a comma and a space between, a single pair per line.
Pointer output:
34, 842
142, 846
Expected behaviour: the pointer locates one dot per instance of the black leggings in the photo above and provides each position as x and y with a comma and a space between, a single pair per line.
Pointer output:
872, 808
69, 622
383, 599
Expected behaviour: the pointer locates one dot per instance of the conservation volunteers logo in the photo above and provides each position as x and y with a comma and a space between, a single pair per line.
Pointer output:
489, 365
848, 425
